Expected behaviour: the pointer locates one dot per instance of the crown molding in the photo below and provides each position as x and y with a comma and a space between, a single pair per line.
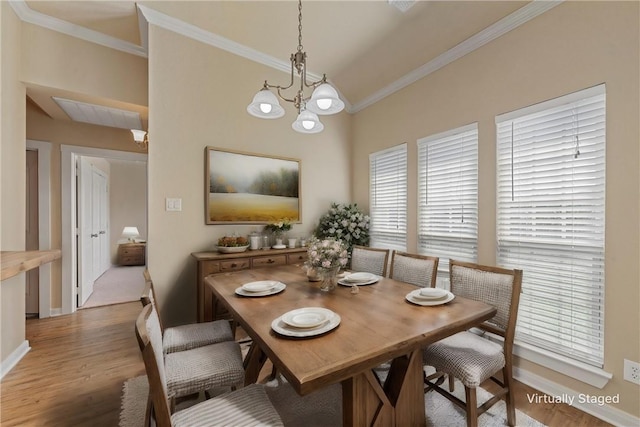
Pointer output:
29, 15
503, 26
147, 15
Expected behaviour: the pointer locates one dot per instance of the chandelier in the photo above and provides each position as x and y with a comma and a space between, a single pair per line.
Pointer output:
324, 100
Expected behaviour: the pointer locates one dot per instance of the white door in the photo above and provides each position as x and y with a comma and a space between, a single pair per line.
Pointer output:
85, 231
104, 225
96, 221
93, 210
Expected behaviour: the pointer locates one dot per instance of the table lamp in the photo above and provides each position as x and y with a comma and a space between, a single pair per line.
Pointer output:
130, 233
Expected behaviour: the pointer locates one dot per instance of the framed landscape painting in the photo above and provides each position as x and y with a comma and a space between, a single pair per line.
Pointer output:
247, 188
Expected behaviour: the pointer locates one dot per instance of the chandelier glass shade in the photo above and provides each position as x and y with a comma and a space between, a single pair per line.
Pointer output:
307, 122
323, 100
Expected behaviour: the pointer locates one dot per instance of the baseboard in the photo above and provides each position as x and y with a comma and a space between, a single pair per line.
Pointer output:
604, 412
55, 312
10, 362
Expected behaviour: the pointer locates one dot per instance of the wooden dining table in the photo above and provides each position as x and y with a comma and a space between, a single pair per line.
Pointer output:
377, 325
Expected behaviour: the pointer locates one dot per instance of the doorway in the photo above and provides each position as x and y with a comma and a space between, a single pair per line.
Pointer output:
42, 187
70, 156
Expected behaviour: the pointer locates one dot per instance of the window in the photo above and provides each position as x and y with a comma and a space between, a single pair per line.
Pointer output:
448, 196
388, 198
550, 220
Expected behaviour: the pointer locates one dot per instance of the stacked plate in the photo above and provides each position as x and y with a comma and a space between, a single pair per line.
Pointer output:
359, 279
261, 288
306, 322
429, 296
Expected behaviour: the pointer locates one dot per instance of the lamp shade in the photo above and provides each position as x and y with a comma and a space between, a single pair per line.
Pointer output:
130, 233
265, 105
324, 100
138, 135
307, 122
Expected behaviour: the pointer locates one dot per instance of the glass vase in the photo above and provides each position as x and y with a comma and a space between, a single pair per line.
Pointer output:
328, 278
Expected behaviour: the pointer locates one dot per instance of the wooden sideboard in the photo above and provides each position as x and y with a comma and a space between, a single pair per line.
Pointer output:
208, 308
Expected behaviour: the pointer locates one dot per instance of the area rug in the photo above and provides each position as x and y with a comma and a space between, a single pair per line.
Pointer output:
117, 285
324, 408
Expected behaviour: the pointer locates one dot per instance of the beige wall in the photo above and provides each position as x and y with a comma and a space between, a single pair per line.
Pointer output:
12, 176
198, 97
574, 46
55, 60
128, 200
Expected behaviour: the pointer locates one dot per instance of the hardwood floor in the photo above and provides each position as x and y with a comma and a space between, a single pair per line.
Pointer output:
74, 373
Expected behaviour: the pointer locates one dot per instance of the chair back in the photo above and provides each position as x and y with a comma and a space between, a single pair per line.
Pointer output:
149, 297
495, 286
149, 337
370, 260
146, 274
419, 270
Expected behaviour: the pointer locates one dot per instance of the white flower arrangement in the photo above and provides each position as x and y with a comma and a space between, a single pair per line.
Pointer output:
279, 227
344, 222
326, 253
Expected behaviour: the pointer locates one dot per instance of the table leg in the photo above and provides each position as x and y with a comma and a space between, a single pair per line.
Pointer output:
400, 402
253, 363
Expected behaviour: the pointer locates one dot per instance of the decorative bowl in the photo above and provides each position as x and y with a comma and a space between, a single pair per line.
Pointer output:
232, 249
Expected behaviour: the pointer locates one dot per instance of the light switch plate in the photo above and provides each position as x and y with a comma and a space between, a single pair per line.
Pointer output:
173, 204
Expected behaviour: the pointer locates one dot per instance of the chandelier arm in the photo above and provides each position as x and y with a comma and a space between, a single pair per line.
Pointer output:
282, 96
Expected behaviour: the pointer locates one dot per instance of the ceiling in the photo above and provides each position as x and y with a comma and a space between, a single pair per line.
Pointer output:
367, 48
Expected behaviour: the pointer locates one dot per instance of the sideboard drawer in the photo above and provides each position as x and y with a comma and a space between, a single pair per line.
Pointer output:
268, 261
296, 258
236, 264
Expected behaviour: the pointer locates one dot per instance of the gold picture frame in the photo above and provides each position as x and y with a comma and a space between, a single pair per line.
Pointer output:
249, 188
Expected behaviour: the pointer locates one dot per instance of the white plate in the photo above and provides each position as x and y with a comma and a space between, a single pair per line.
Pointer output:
232, 249
260, 286
431, 293
308, 317
411, 297
279, 287
369, 282
359, 277
279, 247
279, 326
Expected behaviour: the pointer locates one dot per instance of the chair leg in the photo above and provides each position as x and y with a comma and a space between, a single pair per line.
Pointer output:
509, 398
472, 406
452, 383
147, 414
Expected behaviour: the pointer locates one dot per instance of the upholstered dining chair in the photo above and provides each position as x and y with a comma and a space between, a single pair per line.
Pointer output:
370, 260
248, 406
473, 358
419, 270
190, 336
190, 372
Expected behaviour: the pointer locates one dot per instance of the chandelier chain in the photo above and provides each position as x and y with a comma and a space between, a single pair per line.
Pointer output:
299, 25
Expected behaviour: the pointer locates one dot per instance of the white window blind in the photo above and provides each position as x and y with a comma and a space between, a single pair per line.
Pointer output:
550, 220
448, 196
388, 198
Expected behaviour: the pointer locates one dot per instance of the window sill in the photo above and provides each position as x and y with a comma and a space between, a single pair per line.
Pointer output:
588, 374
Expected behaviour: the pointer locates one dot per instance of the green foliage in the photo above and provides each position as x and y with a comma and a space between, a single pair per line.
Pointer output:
346, 223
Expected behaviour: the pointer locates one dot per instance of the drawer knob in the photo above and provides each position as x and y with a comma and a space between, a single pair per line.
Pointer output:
270, 261
234, 265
